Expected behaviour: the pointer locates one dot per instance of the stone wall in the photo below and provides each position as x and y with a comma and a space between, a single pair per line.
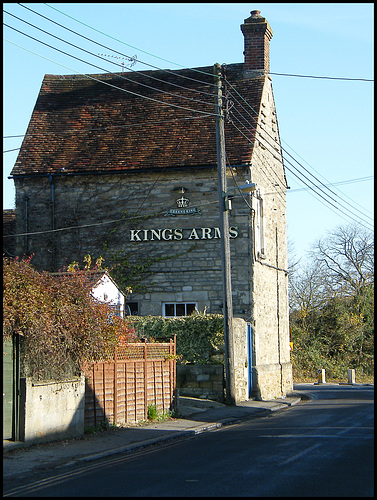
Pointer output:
132, 219
183, 251
51, 411
241, 360
208, 381
201, 381
272, 371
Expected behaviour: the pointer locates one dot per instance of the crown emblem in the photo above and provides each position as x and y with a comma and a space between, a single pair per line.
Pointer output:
182, 202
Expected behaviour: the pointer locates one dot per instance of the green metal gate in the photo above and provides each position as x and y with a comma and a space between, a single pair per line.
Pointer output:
10, 387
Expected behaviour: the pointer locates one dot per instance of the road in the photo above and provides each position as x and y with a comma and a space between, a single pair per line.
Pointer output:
320, 447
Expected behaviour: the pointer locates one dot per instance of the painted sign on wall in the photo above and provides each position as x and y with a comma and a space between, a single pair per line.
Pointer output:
176, 234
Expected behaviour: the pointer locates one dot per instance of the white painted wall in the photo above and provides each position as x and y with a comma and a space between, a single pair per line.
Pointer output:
106, 290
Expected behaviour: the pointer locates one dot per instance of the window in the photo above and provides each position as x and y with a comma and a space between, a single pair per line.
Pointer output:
178, 309
259, 243
131, 309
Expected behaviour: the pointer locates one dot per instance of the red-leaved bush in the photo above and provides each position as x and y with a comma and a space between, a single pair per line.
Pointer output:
60, 324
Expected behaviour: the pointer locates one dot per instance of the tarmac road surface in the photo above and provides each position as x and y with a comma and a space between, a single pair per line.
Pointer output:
320, 447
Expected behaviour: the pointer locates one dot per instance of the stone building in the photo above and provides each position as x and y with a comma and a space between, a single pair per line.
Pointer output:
9, 230
124, 165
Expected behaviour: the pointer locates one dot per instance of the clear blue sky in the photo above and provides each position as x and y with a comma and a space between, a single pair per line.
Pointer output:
325, 124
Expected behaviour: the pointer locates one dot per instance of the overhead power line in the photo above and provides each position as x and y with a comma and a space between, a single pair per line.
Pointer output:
333, 184
91, 53
161, 58
249, 124
312, 190
325, 77
307, 182
339, 183
106, 83
301, 176
309, 187
78, 34
284, 150
176, 64
9, 150
126, 79
115, 51
121, 41
106, 222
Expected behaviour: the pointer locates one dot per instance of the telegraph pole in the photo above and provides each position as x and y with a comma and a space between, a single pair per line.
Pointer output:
225, 246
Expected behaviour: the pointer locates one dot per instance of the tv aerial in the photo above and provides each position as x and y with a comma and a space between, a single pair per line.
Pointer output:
132, 60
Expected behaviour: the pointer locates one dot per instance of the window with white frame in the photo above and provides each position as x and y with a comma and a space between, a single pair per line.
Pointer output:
173, 309
259, 240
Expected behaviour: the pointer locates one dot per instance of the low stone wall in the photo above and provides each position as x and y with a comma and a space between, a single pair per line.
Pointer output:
51, 410
241, 361
201, 381
208, 381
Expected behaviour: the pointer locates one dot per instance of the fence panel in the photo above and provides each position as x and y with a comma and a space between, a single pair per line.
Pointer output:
119, 390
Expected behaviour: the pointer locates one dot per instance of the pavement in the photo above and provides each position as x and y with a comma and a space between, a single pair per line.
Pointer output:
195, 416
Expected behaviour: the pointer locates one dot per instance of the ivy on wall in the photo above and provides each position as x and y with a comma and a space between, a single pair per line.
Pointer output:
200, 337
131, 266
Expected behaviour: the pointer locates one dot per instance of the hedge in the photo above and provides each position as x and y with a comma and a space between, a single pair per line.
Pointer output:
200, 337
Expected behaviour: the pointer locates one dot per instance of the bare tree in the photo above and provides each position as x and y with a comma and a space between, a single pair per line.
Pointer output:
293, 260
307, 290
331, 303
346, 258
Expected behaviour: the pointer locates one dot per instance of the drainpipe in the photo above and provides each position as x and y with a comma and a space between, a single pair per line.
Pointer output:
278, 309
26, 216
53, 221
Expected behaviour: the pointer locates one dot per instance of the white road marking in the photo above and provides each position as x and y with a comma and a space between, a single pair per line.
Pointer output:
298, 455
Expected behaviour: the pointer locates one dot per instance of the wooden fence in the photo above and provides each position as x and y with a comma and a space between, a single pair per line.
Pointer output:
119, 390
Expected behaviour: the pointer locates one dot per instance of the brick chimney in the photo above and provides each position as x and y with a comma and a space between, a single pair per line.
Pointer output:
257, 33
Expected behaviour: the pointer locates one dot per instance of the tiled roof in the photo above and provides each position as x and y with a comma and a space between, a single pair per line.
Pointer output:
93, 277
9, 215
80, 125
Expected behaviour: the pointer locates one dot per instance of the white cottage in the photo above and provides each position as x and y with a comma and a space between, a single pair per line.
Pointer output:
106, 290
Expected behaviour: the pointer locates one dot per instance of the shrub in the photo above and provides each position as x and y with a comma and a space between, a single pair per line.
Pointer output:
338, 337
60, 324
199, 336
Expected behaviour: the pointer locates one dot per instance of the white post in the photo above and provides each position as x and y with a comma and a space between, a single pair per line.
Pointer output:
351, 376
322, 376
